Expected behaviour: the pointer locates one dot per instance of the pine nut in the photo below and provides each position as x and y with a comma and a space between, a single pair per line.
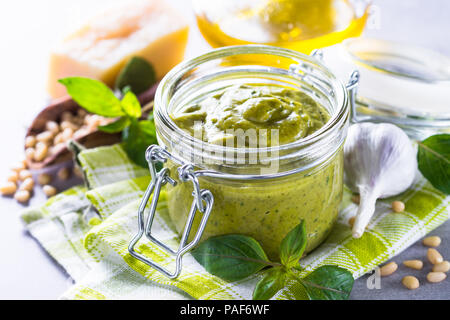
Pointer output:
434, 256
436, 277
432, 241
45, 136
410, 282
40, 152
413, 264
63, 173
58, 147
49, 190
68, 125
388, 269
356, 198
27, 184
67, 134
58, 138
18, 166
13, 177
93, 121
52, 127
444, 266
66, 116
30, 141
398, 206
351, 221
29, 153
8, 188
24, 174
80, 132
81, 113
44, 178
22, 196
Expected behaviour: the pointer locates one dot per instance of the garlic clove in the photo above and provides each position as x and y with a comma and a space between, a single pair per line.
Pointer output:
379, 161
365, 211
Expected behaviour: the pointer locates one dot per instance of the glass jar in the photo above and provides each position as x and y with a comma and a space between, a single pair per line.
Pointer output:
259, 192
301, 25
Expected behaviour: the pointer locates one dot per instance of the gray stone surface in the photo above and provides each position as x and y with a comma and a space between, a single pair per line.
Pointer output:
391, 286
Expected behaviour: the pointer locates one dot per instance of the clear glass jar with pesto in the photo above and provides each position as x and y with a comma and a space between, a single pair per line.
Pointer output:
262, 190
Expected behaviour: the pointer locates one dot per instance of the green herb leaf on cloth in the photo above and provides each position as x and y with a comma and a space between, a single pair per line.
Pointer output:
231, 257
434, 161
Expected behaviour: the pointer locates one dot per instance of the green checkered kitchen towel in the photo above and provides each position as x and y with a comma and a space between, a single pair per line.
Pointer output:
93, 248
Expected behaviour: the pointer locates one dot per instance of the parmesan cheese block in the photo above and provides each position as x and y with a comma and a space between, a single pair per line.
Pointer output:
150, 29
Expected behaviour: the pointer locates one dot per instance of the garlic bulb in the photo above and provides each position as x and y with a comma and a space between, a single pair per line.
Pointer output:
380, 162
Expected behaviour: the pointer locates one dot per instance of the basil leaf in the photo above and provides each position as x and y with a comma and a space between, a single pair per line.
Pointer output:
434, 161
138, 74
328, 283
231, 257
272, 282
93, 95
116, 126
131, 105
293, 246
136, 139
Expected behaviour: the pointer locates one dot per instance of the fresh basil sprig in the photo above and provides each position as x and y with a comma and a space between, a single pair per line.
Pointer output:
434, 161
96, 97
236, 257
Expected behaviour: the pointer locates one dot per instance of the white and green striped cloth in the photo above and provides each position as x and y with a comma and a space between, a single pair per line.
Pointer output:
93, 250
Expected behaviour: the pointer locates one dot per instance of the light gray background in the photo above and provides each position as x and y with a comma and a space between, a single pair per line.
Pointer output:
28, 29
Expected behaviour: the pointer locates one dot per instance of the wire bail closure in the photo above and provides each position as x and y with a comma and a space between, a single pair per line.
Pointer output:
203, 201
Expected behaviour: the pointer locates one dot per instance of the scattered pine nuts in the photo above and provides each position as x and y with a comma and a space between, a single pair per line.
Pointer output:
436, 277
49, 190
24, 174
8, 188
22, 196
30, 141
413, 264
410, 282
433, 241
356, 198
44, 179
398, 206
63, 173
388, 269
27, 184
434, 256
444, 266
13, 177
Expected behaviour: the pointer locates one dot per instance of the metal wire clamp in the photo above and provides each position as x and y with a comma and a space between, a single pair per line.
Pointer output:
203, 201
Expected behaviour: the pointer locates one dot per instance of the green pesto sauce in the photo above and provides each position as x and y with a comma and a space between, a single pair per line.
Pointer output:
222, 115
265, 210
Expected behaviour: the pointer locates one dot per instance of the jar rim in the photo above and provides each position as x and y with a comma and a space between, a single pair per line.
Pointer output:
176, 74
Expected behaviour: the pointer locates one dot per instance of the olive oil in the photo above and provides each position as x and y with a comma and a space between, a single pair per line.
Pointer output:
301, 25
